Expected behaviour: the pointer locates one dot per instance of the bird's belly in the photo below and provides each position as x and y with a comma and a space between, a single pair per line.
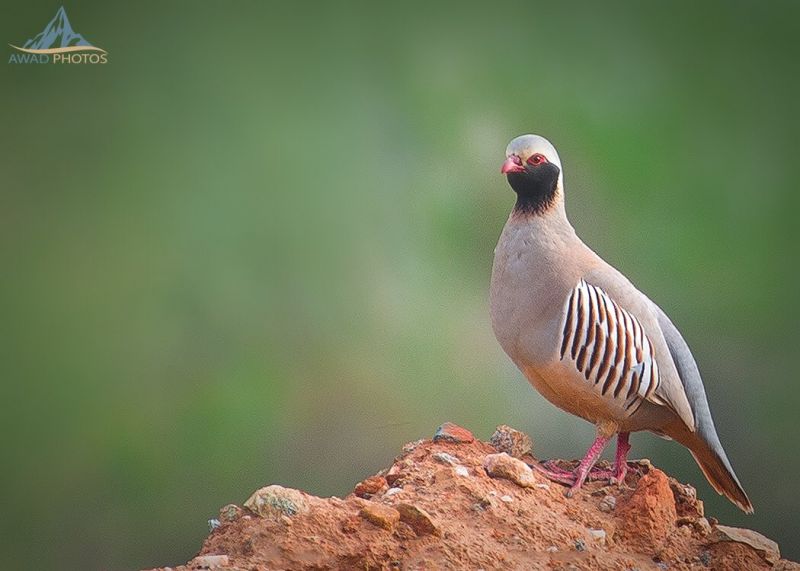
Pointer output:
566, 388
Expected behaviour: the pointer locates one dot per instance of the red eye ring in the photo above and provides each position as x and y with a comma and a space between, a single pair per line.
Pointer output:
536, 159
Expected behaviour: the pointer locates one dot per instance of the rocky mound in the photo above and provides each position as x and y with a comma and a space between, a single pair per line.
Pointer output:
454, 502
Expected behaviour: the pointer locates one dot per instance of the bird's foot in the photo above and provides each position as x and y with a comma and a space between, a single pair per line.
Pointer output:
554, 472
614, 476
587, 469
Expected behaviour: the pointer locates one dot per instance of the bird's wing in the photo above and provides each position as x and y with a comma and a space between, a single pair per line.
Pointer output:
640, 334
609, 346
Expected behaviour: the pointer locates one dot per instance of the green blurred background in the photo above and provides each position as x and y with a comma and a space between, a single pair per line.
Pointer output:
255, 246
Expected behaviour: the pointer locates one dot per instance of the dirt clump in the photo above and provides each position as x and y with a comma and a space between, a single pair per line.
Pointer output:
455, 502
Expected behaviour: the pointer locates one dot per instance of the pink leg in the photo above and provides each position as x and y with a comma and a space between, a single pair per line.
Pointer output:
621, 458
586, 464
617, 474
586, 470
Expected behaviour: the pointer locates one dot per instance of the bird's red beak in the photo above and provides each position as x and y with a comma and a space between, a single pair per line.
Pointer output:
512, 164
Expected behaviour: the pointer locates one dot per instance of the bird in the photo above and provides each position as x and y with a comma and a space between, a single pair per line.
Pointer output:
587, 339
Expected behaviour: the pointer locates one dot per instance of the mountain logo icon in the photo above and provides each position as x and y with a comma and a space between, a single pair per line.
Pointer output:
59, 40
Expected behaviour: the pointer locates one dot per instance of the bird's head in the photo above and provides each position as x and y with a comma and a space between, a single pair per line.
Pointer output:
533, 170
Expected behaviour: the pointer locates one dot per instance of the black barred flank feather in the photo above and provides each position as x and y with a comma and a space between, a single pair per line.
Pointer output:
608, 345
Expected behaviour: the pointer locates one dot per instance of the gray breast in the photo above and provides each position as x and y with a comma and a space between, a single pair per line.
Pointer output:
526, 296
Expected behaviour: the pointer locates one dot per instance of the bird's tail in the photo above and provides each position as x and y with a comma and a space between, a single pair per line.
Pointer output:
714, 463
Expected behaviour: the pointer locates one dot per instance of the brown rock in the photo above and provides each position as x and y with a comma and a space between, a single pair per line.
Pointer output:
371, 486
511, 441
767, 548
418, 519
648, 517
504, 466
231, 512
449, 432
700, 524
380, 515
276, 501
686, 502
733, 556
394, 477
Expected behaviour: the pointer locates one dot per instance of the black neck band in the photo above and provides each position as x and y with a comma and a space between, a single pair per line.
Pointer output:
535, 187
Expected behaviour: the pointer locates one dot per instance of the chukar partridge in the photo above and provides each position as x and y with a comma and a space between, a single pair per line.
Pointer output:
586, 338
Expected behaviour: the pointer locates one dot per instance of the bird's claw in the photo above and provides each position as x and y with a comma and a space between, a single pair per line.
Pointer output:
550, 470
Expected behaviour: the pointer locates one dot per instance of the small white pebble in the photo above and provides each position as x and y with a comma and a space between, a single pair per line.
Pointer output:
446, 458
507, 499
210, 561
409, 447
598, 534
392, 491
543, 486
552, 549
608, 504
462, 471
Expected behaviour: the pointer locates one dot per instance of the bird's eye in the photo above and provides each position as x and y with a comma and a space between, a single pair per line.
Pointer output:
536, 159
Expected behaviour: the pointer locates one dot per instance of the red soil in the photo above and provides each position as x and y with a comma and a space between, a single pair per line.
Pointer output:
436, 507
